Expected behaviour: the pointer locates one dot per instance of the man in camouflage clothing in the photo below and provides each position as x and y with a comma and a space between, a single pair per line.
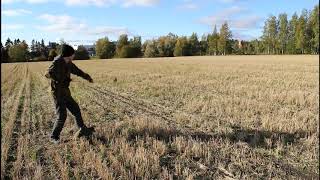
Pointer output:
59, 73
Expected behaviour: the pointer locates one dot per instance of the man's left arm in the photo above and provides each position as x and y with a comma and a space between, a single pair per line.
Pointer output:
75, 70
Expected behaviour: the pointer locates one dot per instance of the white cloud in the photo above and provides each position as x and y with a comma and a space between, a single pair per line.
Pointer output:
15, 12
12, 26
231, 15
243, 36
8, 1
222, 16
61, 19
188, 5
76, 42
234, 10
36, 1
65, 24
129, 3
103, 3
247, 22
81, 41
107, 30
238, 20
24, 1
99, 3
62, 24
228, 1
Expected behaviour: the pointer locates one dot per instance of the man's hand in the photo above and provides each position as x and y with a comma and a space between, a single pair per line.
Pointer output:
88, 77
47, 75
90, 80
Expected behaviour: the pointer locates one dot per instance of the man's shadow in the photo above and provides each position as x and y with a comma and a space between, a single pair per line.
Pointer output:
254, 138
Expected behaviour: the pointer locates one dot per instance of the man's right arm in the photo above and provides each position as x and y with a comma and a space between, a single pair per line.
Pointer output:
75, 70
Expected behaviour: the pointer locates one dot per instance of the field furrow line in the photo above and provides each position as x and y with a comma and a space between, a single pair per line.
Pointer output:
85, 154
18, 146
88, 156
9, 88
107, 105
97, 145
23, 141
223, 172
11, 134
12, 72
145, 108
168, 115
133, 104
39, 129
8, 102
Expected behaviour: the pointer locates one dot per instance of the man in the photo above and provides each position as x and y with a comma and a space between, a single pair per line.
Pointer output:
59, 73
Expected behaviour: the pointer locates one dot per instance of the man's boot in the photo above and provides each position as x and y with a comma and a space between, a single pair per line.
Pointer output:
84, 132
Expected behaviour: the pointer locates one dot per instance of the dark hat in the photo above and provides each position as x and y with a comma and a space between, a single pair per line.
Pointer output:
66, 50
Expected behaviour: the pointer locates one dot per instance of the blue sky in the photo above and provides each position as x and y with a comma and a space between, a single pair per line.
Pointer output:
84, 21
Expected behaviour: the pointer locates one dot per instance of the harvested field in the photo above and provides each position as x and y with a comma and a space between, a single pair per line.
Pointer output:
236, 117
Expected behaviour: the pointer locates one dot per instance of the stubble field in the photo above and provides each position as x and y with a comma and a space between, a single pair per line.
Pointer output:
232, 117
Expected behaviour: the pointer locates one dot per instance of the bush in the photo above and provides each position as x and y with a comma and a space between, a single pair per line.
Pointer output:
40, 58
104, 48
18, 53
81, 53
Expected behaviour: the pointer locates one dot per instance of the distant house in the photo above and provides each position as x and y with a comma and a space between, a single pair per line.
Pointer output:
90, 49
240, 45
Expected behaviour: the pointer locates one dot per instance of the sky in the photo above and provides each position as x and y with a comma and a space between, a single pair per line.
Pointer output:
84, 21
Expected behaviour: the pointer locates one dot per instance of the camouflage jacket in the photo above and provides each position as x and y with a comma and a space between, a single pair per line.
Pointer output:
59, 73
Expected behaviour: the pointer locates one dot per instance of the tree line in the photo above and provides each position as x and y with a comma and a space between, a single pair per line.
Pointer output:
19, 51
281, 35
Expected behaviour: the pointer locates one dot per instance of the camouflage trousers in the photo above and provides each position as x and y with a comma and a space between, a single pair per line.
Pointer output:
63, 101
